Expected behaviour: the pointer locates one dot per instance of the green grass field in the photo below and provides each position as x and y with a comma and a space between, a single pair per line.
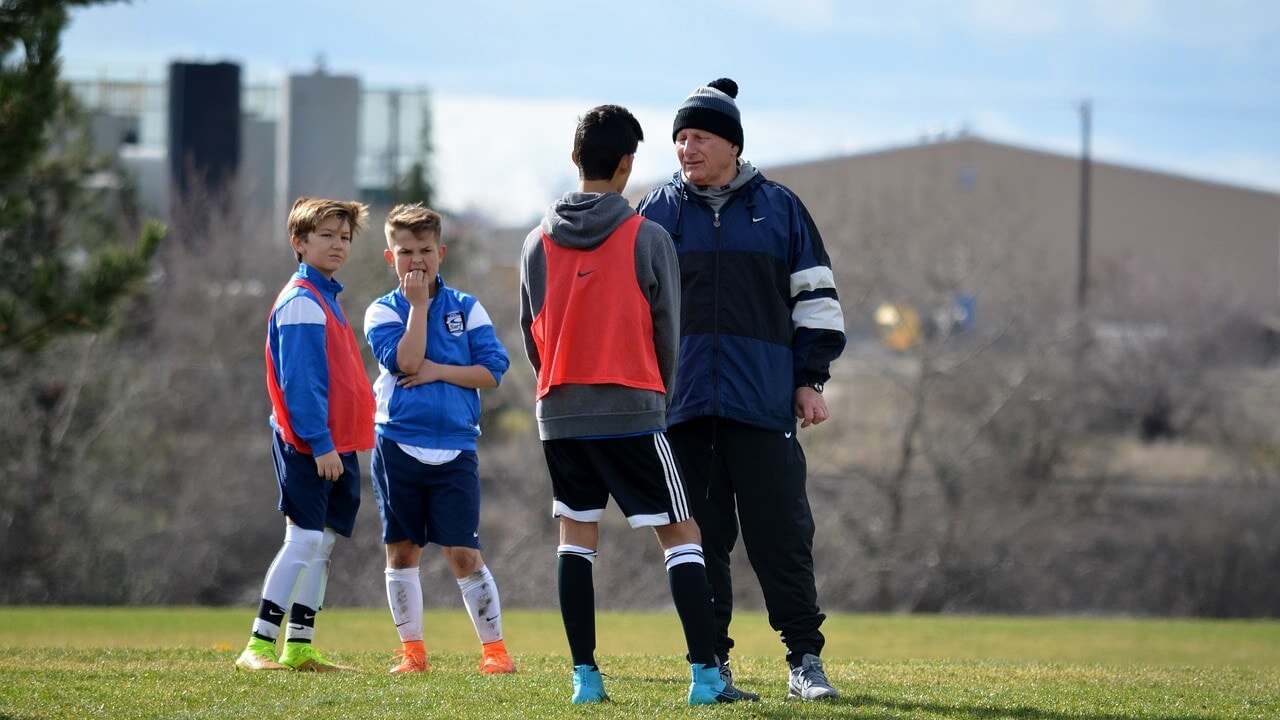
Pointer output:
71, 663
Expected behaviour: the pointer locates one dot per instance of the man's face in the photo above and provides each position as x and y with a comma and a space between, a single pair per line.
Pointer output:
706, 158
410, 253
326, 248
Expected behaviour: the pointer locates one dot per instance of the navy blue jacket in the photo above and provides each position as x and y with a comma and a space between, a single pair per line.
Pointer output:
760, 315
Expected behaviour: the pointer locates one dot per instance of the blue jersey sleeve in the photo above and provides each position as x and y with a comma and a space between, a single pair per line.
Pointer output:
303, 367
486, 348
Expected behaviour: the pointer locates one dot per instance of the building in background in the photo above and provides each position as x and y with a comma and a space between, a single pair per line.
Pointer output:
204, 131
314, 133
317, 138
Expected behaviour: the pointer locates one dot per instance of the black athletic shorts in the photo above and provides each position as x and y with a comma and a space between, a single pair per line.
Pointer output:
639, 471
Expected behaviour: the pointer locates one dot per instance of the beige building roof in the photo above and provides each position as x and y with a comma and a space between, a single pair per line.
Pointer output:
1002, 224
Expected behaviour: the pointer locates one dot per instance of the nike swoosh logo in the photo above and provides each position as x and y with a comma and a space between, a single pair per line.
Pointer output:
584, 274
757, 219
308, 616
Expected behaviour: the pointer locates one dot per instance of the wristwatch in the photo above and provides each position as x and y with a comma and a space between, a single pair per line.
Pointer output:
815, 385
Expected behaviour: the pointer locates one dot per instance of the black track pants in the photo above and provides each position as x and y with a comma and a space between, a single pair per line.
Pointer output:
730, 466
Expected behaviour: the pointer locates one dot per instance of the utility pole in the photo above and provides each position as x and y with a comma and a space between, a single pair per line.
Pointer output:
1082, 288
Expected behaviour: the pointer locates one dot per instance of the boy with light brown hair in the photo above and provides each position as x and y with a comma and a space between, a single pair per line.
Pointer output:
322, 415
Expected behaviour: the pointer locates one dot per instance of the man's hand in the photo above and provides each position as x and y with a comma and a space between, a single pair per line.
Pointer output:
810, 406
329, 466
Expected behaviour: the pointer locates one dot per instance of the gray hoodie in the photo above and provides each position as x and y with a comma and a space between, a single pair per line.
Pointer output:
582, 221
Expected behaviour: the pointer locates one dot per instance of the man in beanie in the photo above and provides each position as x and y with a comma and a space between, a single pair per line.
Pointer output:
760, 325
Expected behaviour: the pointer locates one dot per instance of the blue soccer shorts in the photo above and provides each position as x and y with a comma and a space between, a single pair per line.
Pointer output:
425, 503
310, 501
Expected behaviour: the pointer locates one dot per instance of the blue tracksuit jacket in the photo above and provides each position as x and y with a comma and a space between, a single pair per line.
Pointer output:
437, 415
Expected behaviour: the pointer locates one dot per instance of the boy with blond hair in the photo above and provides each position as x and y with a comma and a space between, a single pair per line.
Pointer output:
436, 348
322, 415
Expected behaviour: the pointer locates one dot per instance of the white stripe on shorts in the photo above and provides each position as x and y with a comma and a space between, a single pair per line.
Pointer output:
675, 483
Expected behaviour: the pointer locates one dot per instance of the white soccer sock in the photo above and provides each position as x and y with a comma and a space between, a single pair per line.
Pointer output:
312, 584
311, 587
404, 595
480, 595
288, 566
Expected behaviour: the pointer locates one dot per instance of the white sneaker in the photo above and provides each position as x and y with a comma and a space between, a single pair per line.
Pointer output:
809, 682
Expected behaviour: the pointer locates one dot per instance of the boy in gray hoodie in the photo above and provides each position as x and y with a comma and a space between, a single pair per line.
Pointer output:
599, 310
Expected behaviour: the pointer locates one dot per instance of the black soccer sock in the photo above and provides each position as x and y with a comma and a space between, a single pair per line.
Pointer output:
266, 625
692, 596
578, 606
302, 624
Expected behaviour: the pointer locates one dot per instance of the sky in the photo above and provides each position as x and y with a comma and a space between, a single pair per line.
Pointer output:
1188, 87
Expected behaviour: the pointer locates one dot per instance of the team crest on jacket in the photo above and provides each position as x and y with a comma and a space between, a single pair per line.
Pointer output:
453, 323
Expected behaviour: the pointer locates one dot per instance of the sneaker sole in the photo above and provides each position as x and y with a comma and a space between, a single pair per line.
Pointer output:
793, 695
258, 665
313, 666
714, 699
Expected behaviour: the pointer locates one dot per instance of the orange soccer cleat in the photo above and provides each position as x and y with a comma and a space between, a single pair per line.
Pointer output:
412, 658
495, 660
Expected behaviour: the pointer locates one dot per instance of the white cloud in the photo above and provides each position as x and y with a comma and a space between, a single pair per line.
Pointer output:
505, 157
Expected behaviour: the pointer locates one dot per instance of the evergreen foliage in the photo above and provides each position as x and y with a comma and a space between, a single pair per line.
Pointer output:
65, 266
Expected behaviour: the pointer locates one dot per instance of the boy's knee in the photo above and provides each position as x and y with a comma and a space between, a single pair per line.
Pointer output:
463, 561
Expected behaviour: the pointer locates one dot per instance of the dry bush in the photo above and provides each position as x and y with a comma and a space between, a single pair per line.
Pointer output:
998, 468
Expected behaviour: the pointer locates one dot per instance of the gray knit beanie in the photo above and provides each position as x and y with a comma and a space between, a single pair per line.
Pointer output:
712, 108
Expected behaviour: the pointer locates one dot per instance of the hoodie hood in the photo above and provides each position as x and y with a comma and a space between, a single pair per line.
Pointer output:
717, 195
582, 220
